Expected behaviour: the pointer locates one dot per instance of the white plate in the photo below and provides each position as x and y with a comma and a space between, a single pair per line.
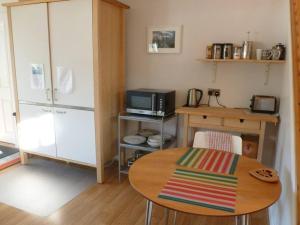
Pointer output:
157, 138
134, 139
155, 145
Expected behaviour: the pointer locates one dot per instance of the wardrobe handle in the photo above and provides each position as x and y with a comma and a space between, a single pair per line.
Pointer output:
55, 94
46, 110
48, 94
61, 112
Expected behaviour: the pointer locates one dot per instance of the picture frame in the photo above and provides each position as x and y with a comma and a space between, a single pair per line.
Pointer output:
164, 39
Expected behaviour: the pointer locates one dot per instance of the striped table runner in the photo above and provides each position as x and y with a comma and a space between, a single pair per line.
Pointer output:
202, 189
210, 160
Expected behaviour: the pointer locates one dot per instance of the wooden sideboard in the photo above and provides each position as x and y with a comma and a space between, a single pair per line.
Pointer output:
226, 119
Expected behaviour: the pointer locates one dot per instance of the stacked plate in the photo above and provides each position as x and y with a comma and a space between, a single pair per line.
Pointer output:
134, 139
155, 141
148, 135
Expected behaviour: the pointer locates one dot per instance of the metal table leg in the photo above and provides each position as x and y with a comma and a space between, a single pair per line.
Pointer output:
167, 211
148, 212
237, 220
247, 219
243, 220
175, 218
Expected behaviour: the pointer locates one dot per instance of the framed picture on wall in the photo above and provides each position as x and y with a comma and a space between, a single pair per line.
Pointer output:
164, 39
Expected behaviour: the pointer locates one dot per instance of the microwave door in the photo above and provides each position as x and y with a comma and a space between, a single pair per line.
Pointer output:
141, 103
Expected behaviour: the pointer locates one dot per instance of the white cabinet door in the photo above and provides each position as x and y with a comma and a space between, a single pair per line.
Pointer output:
71, 38
31, 49
75, 135
36, 130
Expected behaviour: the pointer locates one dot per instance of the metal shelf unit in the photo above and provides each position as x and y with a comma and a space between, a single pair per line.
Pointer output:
123, 147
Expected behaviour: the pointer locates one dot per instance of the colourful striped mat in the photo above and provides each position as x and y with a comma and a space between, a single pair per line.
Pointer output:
210, 160
202, 189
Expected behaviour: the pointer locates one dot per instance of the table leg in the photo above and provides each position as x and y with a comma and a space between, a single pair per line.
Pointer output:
148, 212
247, 219
167, 216
243, 220
237, 220
175, 218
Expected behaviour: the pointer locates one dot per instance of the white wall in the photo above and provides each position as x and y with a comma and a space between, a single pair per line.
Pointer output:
205, 22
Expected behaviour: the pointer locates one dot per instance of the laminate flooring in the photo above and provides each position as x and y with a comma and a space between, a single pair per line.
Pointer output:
111, 203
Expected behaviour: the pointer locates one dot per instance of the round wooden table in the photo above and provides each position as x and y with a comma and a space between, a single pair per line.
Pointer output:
149, 174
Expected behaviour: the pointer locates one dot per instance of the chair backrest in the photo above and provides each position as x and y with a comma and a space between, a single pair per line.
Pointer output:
200, 141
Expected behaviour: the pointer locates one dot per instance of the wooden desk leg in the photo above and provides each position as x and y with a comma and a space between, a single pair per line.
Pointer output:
148, 212
261, 141
185, 131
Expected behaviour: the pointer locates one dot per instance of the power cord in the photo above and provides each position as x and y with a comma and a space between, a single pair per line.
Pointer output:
217, 98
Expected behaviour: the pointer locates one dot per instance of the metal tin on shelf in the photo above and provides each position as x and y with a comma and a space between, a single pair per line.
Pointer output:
217, 51
209, 52
237, 52
247, 49
227, 51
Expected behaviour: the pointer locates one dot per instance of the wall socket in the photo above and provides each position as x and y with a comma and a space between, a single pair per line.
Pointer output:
214, 92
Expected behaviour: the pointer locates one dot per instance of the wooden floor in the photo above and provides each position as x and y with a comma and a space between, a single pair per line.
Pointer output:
112, 203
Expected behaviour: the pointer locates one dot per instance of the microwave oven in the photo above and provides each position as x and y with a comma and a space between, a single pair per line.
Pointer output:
152, 102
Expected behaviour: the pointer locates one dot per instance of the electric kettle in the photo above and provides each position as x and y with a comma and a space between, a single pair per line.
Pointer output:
194, 97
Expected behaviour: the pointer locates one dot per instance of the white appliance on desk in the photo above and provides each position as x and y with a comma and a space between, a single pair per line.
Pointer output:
54, 75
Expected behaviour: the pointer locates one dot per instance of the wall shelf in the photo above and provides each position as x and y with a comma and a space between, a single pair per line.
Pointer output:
267, 64
243, 61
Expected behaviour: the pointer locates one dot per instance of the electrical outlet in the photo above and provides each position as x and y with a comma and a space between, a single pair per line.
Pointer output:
214, 92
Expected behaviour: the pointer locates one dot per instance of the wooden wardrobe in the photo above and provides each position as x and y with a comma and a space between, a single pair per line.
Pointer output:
68, 69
